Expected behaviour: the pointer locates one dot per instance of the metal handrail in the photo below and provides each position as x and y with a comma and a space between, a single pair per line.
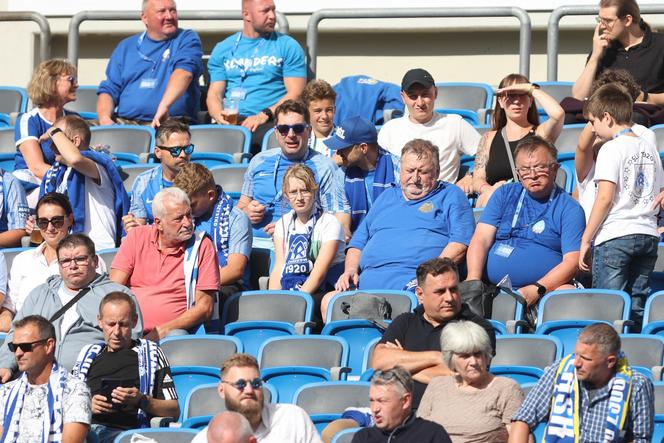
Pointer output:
524, 19
44, 28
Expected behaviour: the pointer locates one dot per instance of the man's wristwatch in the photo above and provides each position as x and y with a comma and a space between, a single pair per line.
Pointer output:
54, 131
143, 402
541, 289
268, 112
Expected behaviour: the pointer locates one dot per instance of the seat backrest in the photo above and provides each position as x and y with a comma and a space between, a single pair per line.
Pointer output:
472, 96
400, 302
569, 138
107, 255
7, 140
538, 351
654, 308
86, 100
193, 350
659, 264
561, 178
505, 307
128, 174
332, 397
643, 350
161, 435
205, 400
584, 304
124, 138
270, 140
318, 351
659, 137
13, 99
557, 90
220, 139
10, 254
659, 397
345, 436
368, 354
286, 306
229, 177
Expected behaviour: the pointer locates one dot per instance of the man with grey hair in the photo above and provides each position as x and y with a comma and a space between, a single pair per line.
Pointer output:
230, 427
153, 74
421, 219
172, 270
390, 399
618, 402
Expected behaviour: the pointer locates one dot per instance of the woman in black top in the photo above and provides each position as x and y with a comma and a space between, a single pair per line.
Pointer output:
515, 114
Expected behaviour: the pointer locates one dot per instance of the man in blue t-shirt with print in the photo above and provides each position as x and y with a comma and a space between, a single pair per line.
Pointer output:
153, 75
530, 230
258, 67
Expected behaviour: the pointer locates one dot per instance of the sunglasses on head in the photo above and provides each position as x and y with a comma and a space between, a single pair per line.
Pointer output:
175, 151
297, 128
256, 383
58, 221
25, 347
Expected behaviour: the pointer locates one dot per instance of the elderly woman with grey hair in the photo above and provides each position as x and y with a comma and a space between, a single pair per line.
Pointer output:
472, 405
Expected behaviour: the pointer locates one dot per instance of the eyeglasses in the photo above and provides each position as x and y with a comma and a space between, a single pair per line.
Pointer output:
80, 261
526, 171
58, 221
512, 95
606, 22
294, 194
256, 383
70, 78
175, 151
390, 375
297, 128
25, 347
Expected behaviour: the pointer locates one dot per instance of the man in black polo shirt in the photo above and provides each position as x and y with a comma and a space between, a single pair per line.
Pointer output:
413, 339
130, 381
622, 40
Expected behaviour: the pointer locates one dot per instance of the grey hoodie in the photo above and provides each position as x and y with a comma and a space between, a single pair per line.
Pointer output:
45, 301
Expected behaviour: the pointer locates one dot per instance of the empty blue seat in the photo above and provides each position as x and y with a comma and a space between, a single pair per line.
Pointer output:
220, 144
129, 144
653, 315
520, 374
161, 435
86, 102
477, 98
186, 378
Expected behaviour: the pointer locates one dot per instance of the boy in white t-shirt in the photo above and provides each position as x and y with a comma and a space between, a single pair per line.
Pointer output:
622, 224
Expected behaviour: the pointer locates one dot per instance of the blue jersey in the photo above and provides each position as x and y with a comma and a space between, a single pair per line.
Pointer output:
146, 186
529, 245
255, 68
14, 206
30, 126
398, 234
140, 68
265, 175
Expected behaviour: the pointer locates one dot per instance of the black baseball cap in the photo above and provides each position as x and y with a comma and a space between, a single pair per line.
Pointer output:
417, 76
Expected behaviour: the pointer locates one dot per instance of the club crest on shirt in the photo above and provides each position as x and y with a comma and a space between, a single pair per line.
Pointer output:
426, 208
538, 227
639, 177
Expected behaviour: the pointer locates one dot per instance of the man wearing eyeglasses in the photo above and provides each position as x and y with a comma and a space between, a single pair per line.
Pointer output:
622, 40
153, 74
262, 199
241, 388
45, 403
79, 289
173, 150
529, 231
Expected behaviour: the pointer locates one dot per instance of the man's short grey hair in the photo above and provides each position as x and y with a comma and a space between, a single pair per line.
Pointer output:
603, 336
229, 426
423, 149
398, 377
173, 194
464, 337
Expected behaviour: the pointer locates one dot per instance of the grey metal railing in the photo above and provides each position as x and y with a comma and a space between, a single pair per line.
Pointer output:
520, 14
44, 29
76, 20
553, 32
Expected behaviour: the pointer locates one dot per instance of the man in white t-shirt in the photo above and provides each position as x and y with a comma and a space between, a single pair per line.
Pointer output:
450, 133
241, 387
89, 179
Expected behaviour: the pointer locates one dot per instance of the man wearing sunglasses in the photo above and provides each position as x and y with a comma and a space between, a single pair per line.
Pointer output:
90, 180
262, 199
529, 231
241, 388
153, 74
173, 150
79, 289
45, 403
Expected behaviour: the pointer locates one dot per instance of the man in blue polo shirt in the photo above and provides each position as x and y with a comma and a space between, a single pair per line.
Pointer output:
173, 150
530, 231
13, 210
422, 219
262, 199
153, 74
258, 67
367, 169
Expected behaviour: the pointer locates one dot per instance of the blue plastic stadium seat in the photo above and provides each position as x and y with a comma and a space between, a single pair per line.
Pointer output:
359, 334
653, 316
187, 378
520, 374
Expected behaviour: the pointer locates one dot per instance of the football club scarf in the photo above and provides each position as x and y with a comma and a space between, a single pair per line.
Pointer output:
221, 225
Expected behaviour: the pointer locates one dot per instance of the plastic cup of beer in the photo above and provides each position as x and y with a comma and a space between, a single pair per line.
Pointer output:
231, 110
36, 236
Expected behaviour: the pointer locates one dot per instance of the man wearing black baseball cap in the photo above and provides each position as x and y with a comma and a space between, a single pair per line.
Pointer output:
449, 132
368, 169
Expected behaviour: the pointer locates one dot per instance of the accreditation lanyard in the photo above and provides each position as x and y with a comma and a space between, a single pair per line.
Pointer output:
520, 205
243, 69
623, 132
143, 56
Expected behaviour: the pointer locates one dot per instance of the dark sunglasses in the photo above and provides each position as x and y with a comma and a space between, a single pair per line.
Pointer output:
175, 151
256, 383
58, 221
25, 347
297, 128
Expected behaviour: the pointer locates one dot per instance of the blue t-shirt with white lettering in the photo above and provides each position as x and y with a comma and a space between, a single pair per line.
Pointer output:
257, 66
544, 231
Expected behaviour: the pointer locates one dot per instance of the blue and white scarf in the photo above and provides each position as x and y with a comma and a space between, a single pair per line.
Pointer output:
147, 368
72, 183
356, 190
298, 265
221, 225
52, 422
190, 264
564, 422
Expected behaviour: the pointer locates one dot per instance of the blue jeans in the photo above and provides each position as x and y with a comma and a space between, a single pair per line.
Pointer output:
104, 434
625, 263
